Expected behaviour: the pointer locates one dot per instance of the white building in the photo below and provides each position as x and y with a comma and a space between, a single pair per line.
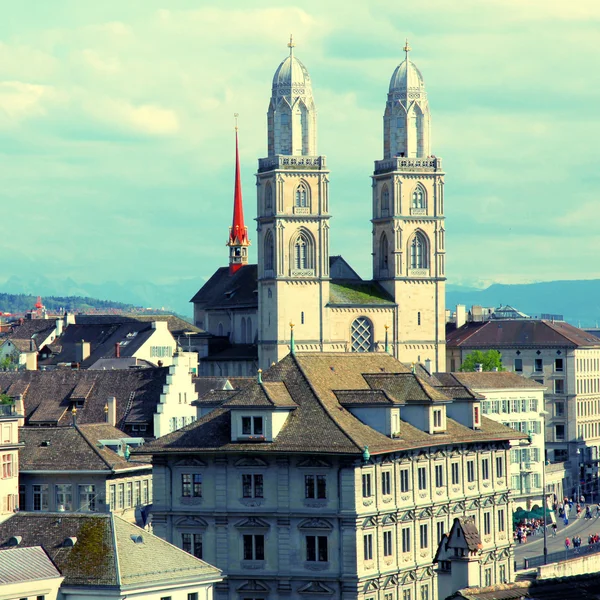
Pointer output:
103, 557
334, 474
10, 417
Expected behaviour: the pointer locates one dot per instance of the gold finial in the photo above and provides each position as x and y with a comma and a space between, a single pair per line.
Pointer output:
235, 116
407, 48
74, 411
386, 327
106, 408
291, 45
291, 325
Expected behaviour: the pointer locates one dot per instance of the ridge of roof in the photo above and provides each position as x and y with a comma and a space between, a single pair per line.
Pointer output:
116, 547
93, 447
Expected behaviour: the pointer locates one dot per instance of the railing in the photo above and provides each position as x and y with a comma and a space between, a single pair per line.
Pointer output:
7, 410
400, 163
287, 162
553, 557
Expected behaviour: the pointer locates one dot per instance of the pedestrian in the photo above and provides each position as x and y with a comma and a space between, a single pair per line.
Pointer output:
566, 519
588, 512
578, 510
567, 543
554, 528
520, 535
582, 499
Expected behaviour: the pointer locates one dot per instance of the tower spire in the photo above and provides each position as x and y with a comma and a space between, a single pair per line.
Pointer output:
238, 233
291, 45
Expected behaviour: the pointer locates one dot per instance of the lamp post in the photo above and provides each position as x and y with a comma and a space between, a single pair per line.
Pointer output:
543, 414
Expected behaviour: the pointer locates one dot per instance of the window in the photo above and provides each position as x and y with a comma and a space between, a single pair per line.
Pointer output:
539, 365
485, 469
316, 548
440, 530
301, 252
559, 431
559, 386
64, 496
406, 539
129, 495
87, 498
455, 473
499, 466
406, 595
470, 471
137, 498
419, 318
301, 196
558, 364
425, 592
268, 197
366, 485
161, 351
315, 486
386, 483
383, 252
422, 477
192, 596
437, 418
113, 497
362, 335
487, 577
368, 546
501, 520
387, 543
252, 485
439, 476
519, 365
254, 547
192, 543
269, 251
423, 536
40, 497
385, 201
404, 481
191, 485
476, 415
146, 492
559, 409
252, 426
121, 503
418, 252
7, 466
487, 523
418, 198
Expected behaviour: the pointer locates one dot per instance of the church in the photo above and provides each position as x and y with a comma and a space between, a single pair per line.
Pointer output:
298, 293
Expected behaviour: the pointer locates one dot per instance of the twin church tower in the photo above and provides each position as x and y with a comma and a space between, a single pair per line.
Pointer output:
401, 310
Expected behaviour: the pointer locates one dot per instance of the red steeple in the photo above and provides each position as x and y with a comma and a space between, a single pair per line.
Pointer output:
238, 233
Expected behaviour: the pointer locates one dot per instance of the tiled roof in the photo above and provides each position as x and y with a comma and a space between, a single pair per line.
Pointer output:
20, 565
31, 327
48, 394
471, 534
214, 397
206, 384
270, 394
175, 324
406, 387
124, 362
321, 424
486, 380
95, 559
225, 290
72, 448
519, 333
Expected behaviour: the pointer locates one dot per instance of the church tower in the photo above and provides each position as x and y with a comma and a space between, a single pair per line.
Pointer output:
408, 220
293, 220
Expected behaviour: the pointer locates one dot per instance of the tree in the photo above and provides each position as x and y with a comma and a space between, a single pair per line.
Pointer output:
489, 360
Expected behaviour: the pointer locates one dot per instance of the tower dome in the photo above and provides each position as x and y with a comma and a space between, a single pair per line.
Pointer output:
292, 117
406, 121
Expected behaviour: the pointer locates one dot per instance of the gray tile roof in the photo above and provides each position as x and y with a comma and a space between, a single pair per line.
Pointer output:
487, 380
175, 324
270, 394
72, 448
225, 290
95, 559
320, 424
20, 565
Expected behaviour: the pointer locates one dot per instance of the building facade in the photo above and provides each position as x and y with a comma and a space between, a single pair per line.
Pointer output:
334, 474
296, 281
10, 416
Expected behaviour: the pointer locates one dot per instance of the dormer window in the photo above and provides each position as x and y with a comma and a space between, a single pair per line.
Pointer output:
437, 419
476, 416
252, 426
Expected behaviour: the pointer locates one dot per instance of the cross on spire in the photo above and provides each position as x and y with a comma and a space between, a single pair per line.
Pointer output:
291, 45
407, 48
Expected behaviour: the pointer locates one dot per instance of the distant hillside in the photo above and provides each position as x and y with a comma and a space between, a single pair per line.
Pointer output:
19, 303
577, 300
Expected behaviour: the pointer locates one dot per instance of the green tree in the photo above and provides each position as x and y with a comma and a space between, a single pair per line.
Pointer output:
489, 360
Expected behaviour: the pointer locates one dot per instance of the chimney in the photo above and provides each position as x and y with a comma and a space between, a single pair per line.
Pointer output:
461, 315
20, 409
479, 368
111, 411
117, 350
59, 327
82, 351
428, 365
69, 319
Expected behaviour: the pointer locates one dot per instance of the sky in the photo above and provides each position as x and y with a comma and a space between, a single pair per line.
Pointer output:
117, 131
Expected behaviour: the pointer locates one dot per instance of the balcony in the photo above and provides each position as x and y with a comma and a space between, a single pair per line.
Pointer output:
7, 410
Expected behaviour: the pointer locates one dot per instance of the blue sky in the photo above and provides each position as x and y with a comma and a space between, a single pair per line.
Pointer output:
116, 129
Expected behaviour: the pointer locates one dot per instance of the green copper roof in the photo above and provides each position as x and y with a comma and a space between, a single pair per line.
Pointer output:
359, 293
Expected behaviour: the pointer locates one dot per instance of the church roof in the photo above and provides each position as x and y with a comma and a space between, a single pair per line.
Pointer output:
320, 424
399, 80
291, 72
226, 290
351, 292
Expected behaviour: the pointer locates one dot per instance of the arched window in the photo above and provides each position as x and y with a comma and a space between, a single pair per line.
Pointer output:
301, 196
385, 201
361, 335
301, 252
269, 251
243, 331
268, 198
418, 252
383, 252
249, 336
220, 329
418, 198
